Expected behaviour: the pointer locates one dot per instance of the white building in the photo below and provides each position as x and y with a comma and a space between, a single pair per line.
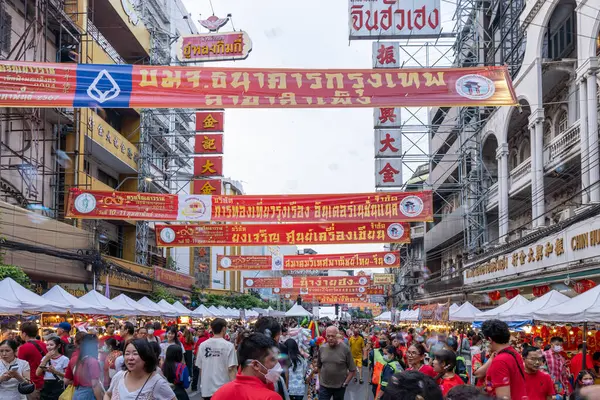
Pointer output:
539, 176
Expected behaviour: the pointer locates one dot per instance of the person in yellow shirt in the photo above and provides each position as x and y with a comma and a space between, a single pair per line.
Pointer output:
357, 344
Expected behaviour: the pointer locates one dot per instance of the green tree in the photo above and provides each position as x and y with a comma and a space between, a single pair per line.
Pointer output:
16, 273
159, 292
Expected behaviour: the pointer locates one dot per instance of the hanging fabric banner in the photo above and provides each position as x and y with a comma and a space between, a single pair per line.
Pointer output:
369, 207
333, 299
30, 84
331, 290
289, 282
384, 259
281, 234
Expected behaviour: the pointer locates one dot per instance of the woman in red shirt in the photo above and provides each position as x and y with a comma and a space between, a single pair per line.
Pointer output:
415, 356
187, 339
444, 364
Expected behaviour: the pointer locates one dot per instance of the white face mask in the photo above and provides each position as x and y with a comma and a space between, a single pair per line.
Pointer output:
387, 358
272, 374
558, 348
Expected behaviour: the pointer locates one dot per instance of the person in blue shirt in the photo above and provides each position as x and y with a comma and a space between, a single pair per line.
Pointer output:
176, 372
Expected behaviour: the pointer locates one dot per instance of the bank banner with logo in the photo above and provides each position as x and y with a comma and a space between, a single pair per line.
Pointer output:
368, 207
280, 234
384, 259
290, 282
29, 84
330, 290
384, 279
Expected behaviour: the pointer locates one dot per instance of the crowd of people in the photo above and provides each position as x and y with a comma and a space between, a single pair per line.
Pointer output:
268, 361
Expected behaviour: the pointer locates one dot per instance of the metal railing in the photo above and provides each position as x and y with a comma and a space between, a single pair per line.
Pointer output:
519, 172
562, 144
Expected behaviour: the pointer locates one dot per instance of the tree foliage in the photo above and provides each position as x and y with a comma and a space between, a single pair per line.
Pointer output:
245, 301
16, 273
159, 292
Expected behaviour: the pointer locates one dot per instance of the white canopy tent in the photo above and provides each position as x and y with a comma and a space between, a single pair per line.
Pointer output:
146, 302
582, 308
297, 311
95, 299
215, 311
24, 299
128, 302
202, 312
385, 316
71, 303
548, 301
167, 309
464, 313
511, 306
182, 309
454, 307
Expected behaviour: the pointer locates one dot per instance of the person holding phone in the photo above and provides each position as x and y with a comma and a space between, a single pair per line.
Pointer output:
52, 367
12, 371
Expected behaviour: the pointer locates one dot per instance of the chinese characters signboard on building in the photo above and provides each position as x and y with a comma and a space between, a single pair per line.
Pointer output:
372, 19
210, 121
388, 172
579, 242
144, 86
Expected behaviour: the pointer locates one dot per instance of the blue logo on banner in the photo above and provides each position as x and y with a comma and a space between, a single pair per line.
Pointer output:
106, 86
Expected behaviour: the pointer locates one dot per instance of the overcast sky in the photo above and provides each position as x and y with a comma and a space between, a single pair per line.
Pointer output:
279, 151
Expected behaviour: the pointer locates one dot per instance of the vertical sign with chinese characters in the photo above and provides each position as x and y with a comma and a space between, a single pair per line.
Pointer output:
387, 124
209, 146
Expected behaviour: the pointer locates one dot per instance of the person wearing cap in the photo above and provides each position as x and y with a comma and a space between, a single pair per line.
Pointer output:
62, 331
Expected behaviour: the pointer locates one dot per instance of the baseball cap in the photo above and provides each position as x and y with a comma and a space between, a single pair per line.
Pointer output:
64, 326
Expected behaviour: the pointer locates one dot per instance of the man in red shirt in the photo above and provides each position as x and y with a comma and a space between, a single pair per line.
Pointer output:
257, 356
110, 334
159, 332
62, 330
505, 378
32, 351
577, 362
539, 384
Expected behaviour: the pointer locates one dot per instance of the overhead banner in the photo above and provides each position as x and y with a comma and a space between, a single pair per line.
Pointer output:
384, 279
331, 290
281, 234
302, 262
30, 84
289, 282
373, 207
334, 299
173, 278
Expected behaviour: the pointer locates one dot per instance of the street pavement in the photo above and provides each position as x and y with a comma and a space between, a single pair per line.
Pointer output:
355, 390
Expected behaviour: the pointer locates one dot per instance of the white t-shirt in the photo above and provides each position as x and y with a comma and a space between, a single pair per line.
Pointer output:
157, 388
8, 389
119, 361
215, 356
164, 346
60, 364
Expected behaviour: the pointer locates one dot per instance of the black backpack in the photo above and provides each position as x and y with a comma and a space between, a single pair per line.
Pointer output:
69, 349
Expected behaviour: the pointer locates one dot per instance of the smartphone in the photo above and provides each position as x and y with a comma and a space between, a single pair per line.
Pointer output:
14, 367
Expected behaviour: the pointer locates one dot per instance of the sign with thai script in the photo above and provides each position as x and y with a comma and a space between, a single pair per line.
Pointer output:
579, 242
309, 262
281, 234
289, 282
334, 298
210, 121
330, 290
372, 207
29, 84
173, 278
384, 279
373, 19
214, 46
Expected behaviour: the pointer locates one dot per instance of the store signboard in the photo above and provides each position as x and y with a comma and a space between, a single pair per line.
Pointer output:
577, 243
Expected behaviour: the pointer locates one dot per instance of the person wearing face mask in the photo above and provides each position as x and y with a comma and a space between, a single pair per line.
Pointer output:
539, 385
584, 379
392, 366
376, 364
558, 366
259, 367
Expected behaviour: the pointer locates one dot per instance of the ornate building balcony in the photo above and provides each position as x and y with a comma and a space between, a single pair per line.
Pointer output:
562, 147
520, 177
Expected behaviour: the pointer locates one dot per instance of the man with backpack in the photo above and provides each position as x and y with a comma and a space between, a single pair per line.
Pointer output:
461, 365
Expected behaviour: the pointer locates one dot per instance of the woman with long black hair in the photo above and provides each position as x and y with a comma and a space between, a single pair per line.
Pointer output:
176, 372
52, 367
171, 337
297, 371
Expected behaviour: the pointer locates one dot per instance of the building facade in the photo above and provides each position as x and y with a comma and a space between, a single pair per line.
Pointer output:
514, 184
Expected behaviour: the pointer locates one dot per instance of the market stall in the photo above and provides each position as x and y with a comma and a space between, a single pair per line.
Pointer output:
297, 311
511, 306
526, 312
18, 298
71, 303
95, 299
464, 313
129, 303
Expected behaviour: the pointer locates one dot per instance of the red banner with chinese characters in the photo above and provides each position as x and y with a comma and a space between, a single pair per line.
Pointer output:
208, 143
495, 295
208, 166
280, 234
302, 262
583, 285
330, 290
173, 278
539, 291
210, 121
391, 207
511, 293
289, 282
207, 186
373, 207
30, 84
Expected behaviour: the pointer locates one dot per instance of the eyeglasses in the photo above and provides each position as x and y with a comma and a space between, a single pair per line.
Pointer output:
534, 359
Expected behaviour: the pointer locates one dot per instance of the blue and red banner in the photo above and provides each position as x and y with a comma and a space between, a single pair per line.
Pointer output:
29, 84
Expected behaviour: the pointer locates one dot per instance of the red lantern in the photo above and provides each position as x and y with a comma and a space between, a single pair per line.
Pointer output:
583, 285
511, 293
539, 291
495, 295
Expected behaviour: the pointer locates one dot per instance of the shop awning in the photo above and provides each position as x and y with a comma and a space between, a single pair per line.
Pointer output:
464, 313
71, 303
526, 312
511, 306
582, 308
24, 299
